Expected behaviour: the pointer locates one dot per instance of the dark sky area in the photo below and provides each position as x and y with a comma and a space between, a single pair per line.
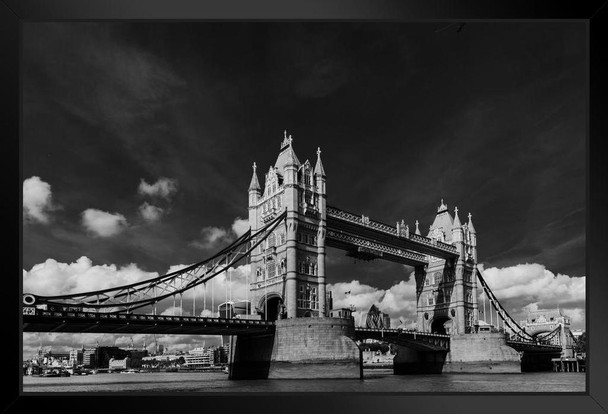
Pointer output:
492, 119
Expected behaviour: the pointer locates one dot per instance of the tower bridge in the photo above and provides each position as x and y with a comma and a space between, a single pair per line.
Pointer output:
291, 321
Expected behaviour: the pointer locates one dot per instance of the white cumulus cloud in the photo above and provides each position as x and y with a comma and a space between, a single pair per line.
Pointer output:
531, 286
150, 213
163, 187
534, 283
54, 278
211, 237
240, 226
103, 224
37, 200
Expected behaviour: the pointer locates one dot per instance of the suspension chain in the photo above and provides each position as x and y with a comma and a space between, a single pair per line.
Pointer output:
136, 295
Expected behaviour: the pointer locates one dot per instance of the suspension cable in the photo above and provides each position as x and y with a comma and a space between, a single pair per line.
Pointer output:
114, 298
502, 312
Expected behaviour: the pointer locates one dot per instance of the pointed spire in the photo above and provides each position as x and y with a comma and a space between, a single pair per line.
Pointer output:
319, 166
255, 184
286, 140
470, 224
456, 219
287, 156
417, 229
442, 207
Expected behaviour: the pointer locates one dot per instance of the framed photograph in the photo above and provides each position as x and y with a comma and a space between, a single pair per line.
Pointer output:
330, 208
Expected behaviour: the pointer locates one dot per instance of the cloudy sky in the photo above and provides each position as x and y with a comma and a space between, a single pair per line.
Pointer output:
138, 141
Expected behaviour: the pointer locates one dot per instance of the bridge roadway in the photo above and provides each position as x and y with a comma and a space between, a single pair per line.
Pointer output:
36, 320
530, 347
420, 341
53, 321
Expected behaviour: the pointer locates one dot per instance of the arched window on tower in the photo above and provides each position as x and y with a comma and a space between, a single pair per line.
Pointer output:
271, 240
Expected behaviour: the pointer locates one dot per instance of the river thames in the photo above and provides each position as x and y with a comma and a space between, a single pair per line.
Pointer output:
377, 380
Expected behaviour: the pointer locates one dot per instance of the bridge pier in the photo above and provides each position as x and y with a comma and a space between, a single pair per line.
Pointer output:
481, 352
300, 348
315, 348
469, 353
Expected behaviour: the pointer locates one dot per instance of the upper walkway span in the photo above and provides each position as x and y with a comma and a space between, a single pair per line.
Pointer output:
346, 230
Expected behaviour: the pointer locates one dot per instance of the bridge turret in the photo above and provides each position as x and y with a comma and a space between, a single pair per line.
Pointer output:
472, 238
289, 268
255, 191
319, 173
255, 194
456, 228
448, 298
287, 162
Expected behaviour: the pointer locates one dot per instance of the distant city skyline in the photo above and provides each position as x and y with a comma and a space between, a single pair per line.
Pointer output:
138, 142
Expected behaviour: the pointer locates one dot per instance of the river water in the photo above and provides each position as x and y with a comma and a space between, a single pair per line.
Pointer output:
376, 380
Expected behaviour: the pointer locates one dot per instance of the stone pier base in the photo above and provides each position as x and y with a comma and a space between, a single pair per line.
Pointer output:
315, 348
481, 352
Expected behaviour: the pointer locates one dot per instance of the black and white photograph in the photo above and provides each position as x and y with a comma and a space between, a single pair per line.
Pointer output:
304, 206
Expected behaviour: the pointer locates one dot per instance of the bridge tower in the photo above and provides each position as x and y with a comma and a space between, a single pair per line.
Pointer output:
542, 323
447, 302
288, 268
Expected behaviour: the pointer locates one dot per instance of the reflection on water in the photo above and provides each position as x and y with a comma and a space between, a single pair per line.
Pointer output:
379, 380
